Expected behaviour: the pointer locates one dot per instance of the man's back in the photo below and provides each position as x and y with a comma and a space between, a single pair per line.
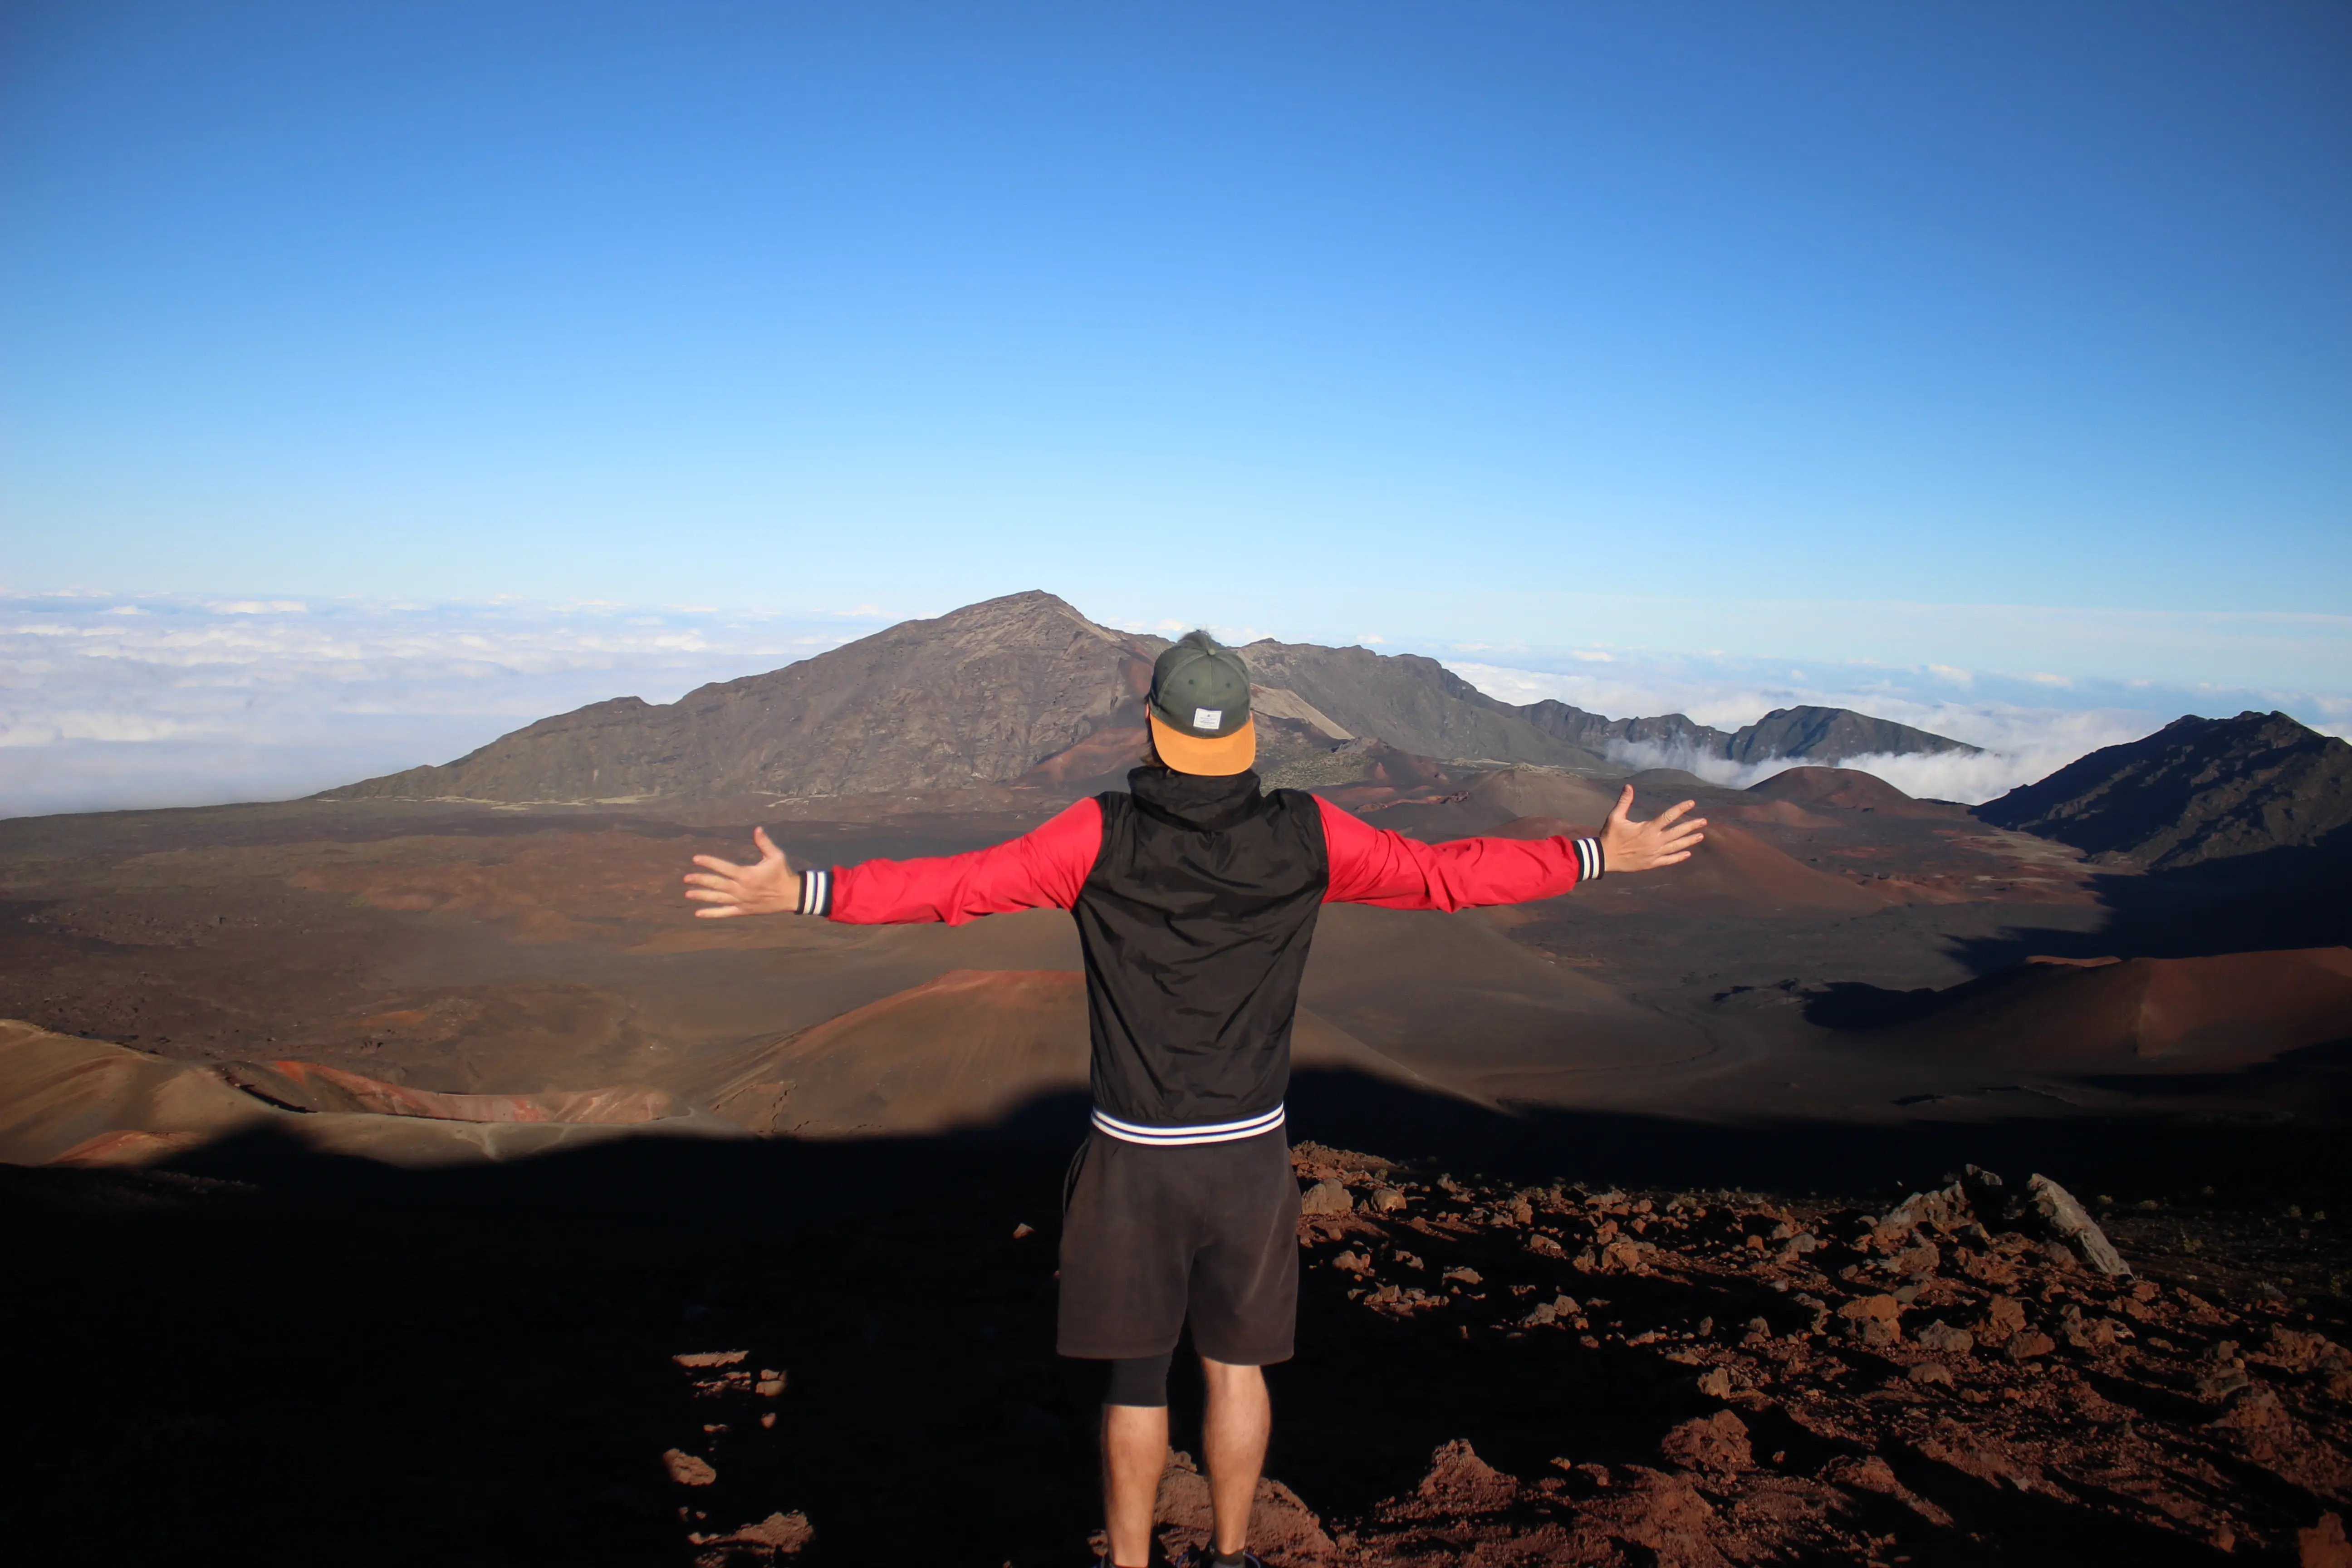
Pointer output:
1195, 921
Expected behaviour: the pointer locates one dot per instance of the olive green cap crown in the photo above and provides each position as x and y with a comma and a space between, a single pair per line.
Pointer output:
1200, 688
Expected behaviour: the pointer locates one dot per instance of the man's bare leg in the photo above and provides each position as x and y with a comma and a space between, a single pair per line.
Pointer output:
1135, 1456
1240, 1419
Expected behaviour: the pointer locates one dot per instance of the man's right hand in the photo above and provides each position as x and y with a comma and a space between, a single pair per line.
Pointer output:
1665, 840
769, 886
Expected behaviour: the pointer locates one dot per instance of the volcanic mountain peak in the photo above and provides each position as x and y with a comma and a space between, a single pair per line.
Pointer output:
1024, 687
978, 696
2197, 790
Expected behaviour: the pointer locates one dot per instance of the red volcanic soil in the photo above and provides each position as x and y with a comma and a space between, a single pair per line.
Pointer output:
1777, 813
552, 886
1443, 809
1847, 789
1101, 759
1733, 872
72, 1102
308, 1085
964, 1049
969, 1049
2172, 1015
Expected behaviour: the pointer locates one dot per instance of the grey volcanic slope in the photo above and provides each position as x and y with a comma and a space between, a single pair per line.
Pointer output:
1825, 735
2197, 790
1414, 704
1831, 735
978, 696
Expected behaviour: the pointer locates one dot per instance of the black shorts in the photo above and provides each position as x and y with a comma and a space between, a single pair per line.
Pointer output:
1152, 1235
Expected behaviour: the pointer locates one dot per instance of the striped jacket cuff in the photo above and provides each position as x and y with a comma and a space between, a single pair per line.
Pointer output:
816, 892
1589, 868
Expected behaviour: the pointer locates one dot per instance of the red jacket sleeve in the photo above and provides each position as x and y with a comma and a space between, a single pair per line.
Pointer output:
1373, 866
1043, 868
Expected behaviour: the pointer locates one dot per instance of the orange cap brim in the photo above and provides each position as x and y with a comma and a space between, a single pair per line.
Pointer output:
1218, 757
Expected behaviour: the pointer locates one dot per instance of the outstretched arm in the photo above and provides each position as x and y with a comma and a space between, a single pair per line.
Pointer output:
767, 886
1043, 867
1373, 866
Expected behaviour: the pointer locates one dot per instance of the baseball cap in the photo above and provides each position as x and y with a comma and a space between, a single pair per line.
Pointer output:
1199, 708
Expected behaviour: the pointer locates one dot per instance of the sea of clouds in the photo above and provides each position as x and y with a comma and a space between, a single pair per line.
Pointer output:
2026, 725
112, 701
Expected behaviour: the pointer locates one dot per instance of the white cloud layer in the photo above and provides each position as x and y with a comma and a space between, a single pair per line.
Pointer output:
110, 701
2023, 737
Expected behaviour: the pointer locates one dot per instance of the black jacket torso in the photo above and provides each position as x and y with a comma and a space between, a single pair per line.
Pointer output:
1195, 923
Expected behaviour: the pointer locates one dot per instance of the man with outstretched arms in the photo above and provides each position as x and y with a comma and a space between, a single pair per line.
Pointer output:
1195, 896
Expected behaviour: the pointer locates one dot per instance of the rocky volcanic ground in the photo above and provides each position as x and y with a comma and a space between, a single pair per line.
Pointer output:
700, 1353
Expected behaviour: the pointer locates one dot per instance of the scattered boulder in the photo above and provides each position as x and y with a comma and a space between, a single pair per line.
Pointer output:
1384, 1200
710, 1358
2307, 1353
2085, 1333
2063, 1220
2254, 1410
1661, 1513
778, 1535
1873, 1319
1460, 1482
2029, 1343
1326, 1197
1932, 1373
1284, 1531
1717, 1443
2222, 1383
688, 1469
2004, 1317
1717, 1382
1917, 1262
2323, 1545
1559, 1309
1944, 1338
1869, 1473
1625, 1256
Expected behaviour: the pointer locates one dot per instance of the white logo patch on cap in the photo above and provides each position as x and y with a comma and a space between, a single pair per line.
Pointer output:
1207, 717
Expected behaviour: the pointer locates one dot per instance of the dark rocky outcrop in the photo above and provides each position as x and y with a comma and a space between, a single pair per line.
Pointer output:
2197, 791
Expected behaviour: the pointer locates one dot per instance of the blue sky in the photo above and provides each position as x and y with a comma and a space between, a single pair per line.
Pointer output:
2011, 338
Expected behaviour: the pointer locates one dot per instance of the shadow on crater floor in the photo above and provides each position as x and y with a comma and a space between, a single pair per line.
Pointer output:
268, 1357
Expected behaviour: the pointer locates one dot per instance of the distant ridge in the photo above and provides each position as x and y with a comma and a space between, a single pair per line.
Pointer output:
1024, 687
2197, 791
1823, 735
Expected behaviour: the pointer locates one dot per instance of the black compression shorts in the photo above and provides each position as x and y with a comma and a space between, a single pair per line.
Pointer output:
1153, 1235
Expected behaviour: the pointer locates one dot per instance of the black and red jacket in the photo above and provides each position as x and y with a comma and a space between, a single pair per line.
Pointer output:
1196, 899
